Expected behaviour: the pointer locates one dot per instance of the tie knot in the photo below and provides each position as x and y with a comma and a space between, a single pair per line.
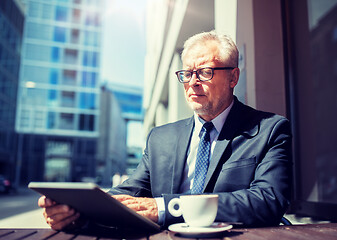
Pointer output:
208, 126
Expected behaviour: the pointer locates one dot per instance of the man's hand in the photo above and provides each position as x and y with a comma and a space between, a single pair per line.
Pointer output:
58, 216
146, 207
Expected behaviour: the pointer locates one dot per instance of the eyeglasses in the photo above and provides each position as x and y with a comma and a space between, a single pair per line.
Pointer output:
203, 74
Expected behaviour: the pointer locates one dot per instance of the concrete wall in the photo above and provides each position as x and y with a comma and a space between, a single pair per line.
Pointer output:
259, 32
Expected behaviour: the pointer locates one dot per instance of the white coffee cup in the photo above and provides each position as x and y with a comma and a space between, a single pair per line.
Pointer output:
197, 210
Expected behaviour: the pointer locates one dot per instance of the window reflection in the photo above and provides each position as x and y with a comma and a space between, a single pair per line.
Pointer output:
53, 76
59, 34
52, 98
67, 121
90, 59
89, 79
87, 100
322, 25
316, 74
76, 15
51, 120
55, 54
68, 99
86, 122
61, 13
75, 36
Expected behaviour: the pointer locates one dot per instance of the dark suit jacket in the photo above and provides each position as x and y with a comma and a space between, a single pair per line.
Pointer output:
250, 168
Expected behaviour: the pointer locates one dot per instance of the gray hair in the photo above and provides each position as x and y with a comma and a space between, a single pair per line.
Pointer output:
227, 48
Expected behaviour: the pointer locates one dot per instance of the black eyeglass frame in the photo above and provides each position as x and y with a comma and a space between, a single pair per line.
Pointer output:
197, 73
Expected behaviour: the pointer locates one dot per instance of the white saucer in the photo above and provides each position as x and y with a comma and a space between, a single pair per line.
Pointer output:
184, 229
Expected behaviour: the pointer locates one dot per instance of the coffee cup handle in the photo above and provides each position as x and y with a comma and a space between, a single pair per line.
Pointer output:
174, 212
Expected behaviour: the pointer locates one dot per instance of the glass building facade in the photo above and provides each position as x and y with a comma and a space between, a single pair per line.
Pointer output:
11, 28
59, 87
58, 96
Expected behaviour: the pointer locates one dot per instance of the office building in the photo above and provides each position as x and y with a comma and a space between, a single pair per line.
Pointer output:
11, 25
59, 95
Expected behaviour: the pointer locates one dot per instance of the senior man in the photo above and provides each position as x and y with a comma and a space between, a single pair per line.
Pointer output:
227, 148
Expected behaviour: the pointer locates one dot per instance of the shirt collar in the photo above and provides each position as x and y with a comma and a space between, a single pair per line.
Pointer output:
218, 122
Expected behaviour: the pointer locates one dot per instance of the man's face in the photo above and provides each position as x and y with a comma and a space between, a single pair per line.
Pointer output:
208, 99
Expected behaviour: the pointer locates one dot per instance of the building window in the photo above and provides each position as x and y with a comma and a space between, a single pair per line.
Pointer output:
66, 121
61, 13
89, 79
51, 120
70, 56
59, 34
69, 77
33, 9
76, 15
68, 99
39, 31
75, 36
47, 11
35, 97
90, 59
86, 122
311, 59
52, 97
39, 119
87, 100
38, 52
91, 38
55, 54
24, 120
53, 78
35, 74
92, 19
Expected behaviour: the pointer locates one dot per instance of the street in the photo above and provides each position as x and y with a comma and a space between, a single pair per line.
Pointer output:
23, 200
19, 210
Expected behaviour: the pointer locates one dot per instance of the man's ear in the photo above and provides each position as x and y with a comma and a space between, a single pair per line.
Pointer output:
234, 77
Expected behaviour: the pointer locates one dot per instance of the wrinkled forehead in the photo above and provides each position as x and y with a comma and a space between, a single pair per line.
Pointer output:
204, 53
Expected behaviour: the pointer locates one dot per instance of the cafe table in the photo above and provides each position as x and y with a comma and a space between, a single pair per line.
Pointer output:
325, 231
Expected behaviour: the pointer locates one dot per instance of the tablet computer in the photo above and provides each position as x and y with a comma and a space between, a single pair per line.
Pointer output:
95, 204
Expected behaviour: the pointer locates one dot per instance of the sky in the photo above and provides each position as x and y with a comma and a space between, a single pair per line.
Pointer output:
123, 51
123, 45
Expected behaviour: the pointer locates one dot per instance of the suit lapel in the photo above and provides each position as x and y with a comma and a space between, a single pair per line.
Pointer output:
183, 140
228, 131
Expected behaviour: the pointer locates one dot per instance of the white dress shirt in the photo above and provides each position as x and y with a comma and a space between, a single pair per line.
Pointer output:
218, 122
188, 174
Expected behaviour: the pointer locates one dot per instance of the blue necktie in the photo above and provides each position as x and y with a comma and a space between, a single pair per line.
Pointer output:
202, 162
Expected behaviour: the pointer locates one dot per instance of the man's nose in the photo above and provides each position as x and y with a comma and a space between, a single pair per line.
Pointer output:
194, 80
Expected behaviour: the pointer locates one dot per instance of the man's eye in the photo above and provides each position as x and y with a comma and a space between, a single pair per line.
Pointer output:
187, 74
206, 72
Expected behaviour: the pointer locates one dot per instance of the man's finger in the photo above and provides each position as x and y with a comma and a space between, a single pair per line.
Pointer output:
122, 197
44, 202
59, 209
65, 222
134, 206
53, 219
